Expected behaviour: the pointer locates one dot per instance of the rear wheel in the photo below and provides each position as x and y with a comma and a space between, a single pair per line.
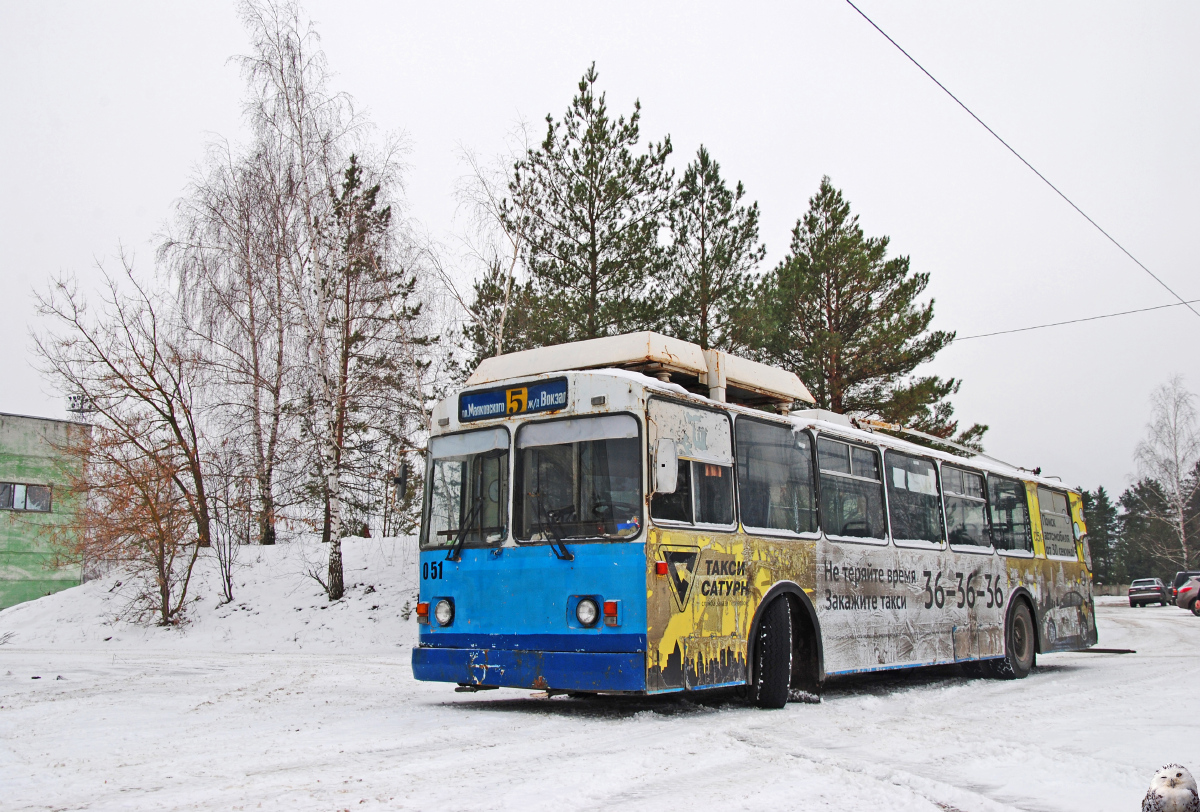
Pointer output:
1019, 648
1195, 607
773, 655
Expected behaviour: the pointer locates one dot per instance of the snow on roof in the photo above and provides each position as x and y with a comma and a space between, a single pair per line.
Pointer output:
654, 353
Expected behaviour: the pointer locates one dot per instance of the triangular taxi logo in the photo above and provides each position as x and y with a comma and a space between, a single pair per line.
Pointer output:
681, 570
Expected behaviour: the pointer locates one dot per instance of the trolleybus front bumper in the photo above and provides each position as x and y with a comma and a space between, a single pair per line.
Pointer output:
530, 668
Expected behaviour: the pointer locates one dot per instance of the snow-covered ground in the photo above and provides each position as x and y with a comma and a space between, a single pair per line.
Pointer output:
278, 703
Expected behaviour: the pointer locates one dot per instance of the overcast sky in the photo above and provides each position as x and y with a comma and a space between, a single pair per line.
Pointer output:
107, 109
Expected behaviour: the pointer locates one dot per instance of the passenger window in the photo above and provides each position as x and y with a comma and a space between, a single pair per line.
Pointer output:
1056, 523
966, 507
851, 493
1009, 513
775, 477
913, 501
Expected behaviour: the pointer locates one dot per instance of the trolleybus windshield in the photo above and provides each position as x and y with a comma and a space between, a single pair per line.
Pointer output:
578, 479
468, 486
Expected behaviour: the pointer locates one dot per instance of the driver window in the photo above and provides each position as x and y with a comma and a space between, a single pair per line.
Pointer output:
704, 443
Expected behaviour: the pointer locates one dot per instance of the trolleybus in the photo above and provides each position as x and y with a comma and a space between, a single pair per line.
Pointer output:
637, 515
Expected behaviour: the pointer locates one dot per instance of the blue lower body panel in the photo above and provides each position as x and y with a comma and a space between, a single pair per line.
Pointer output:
545, 670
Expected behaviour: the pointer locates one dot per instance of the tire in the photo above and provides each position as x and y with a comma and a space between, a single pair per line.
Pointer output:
1020, 648
1132, 605
773, 656
1195, 607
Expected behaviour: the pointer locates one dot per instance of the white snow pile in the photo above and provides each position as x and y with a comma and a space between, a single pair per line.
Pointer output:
277, 606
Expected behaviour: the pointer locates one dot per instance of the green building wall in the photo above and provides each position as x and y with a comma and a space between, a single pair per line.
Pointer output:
28, 456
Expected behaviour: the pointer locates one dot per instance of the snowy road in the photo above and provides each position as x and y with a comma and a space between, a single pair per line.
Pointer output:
160, 730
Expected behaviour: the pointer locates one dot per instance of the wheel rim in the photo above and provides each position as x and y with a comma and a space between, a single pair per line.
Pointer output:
1021, 638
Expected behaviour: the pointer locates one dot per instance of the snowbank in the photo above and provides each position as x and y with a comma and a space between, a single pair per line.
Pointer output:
276, 607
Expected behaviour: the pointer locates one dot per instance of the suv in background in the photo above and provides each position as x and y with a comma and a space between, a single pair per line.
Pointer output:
1179, 580
1188, 593
1148, 590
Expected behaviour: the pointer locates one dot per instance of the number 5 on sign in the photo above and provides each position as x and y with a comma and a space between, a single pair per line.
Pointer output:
516, 400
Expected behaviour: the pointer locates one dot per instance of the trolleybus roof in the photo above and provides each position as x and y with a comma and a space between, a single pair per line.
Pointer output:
728, 377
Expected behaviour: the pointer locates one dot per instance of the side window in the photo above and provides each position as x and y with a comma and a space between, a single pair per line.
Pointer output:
1009, 513
675, 507
1056, 523
703, 495
714, 493
851, 490
913, 500
704, 442
966, 507
776, 490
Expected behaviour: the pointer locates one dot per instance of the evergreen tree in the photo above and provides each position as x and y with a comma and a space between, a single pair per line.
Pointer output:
714, 247
593, 213
1143, 532
845, 318
1104, 527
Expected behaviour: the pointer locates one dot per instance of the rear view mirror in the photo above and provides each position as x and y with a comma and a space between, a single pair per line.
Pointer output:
666, 466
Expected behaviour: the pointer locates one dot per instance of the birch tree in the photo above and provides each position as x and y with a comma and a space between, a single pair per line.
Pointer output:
497, 209
228, 256
302, 128
1169, 456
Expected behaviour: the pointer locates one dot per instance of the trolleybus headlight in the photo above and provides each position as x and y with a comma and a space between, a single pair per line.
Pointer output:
444, 612
587, 612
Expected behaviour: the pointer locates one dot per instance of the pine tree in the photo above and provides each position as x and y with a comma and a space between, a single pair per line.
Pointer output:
1104, 527
714, 247
594, 210
368, 322
844, 316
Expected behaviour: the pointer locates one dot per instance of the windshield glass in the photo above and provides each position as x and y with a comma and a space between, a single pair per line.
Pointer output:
468, 488
578, 479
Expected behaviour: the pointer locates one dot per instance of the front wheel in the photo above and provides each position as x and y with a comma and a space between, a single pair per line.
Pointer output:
773, 655
1019, 649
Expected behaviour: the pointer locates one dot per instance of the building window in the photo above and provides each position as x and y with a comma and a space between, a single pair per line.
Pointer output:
19, 496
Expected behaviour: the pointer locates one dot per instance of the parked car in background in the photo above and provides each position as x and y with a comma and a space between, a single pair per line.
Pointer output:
1148, 590
1179, 580
1187, 595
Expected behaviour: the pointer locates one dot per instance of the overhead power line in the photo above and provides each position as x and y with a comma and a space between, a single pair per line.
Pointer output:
1076, 321
1058, 191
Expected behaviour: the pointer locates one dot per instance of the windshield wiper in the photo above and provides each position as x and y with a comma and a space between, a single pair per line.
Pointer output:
477, 505
456, 547
556, 540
